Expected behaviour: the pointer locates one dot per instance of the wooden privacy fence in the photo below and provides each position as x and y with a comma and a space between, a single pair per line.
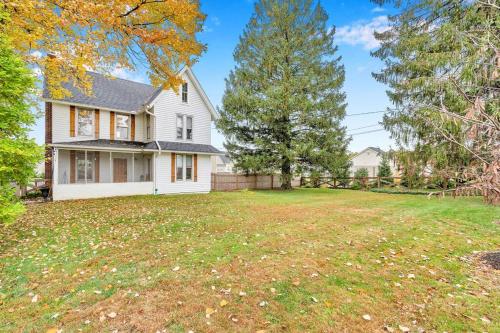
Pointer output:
362, 182
233, 182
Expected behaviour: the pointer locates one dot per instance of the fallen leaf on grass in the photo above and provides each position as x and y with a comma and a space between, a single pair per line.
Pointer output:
404, 329
209, 312
367, 317
223, 303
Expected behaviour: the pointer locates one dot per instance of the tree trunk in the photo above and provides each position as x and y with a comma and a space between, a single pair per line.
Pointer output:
286, 174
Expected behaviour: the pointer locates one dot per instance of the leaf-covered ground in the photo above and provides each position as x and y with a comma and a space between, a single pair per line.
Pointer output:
305, 260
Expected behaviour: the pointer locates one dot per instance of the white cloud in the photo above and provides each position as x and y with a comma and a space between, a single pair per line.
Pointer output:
361, 32
378, 10
215, 20
126, 74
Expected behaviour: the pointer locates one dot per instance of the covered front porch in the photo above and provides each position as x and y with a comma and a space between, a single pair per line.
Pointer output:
93, 173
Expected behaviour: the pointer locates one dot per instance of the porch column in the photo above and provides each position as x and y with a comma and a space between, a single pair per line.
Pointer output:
86, 166
111, 167
133, 166
55, 167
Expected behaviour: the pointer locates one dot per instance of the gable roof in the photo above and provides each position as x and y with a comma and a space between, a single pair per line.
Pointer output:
187, 70
117, 94
376, 149
109, 93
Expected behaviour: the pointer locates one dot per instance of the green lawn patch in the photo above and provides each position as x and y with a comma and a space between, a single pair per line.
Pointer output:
304, 260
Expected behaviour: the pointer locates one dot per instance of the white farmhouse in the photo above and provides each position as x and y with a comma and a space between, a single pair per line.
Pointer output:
129, 138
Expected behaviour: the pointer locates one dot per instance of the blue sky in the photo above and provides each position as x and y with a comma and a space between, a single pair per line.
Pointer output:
355, 22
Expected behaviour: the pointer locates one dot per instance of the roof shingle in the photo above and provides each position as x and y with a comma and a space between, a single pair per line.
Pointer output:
165, 145
111, 93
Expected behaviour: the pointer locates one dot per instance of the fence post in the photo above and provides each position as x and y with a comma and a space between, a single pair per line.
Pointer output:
272, 181
378, 181
334, 182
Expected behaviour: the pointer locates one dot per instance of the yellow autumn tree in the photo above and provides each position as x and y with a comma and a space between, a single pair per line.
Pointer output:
103, 34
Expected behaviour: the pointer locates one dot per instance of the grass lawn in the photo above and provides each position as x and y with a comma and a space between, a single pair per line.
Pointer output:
305, 260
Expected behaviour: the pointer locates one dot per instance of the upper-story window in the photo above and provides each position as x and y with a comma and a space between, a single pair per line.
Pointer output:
85, 122
189, 128
122, 126
180, 127
148, 126
184, 127
185, 92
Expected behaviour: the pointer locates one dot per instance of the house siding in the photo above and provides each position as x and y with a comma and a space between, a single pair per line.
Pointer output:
166, 186
169, 104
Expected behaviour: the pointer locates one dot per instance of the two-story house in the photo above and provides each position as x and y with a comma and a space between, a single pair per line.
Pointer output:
128, 138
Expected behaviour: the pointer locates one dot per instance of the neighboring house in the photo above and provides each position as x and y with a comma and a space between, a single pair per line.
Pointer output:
370, 159
129, 138
222, 164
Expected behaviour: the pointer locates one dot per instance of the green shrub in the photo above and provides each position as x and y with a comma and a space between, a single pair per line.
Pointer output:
360, 180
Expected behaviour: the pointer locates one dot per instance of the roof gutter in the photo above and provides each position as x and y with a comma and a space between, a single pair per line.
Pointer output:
153, 115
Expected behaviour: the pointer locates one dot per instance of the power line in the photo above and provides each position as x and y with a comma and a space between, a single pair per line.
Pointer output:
354, 129
363, 113
365, 132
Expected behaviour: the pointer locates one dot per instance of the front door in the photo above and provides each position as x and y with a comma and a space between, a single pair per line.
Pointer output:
119, 170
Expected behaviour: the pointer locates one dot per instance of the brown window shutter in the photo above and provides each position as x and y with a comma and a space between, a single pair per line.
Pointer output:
72, 166
72, 120
111, 125
172, 174
132, 128
195, 167
96, 115
96, 167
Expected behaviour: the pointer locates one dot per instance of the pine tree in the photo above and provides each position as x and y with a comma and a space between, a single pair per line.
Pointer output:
442, 67
283, 102
384, 170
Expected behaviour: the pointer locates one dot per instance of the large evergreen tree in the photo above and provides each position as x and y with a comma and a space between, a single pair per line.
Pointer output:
283, 102
442, 62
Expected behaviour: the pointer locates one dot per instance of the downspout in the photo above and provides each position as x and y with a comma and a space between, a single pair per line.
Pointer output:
146, 109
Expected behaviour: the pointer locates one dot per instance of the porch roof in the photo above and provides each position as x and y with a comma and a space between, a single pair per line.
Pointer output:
140, 146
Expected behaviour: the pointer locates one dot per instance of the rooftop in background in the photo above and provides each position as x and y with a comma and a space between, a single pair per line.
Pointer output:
377, 149
110, 93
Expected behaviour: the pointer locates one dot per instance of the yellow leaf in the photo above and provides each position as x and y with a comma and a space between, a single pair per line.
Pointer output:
223, 303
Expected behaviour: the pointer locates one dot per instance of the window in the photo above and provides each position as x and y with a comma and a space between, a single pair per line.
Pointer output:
148, 126
179, 167
185, 92
184, 167
122, 126
189, 128
180, 127
85, 122
85, 167
189, 167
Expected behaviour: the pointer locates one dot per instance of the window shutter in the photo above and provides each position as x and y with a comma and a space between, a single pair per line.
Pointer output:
96, 167
72, 166
96, 115
111, 125
195, 167
172, 174
72, 121
132, 128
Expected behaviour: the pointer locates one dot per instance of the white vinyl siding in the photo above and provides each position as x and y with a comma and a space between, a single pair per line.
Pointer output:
165, 186
169, 105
